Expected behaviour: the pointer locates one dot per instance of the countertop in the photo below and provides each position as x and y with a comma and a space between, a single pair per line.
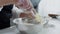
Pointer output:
54, 29
10, 30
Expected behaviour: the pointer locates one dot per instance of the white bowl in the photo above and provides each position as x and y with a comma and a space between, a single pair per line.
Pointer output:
29, 28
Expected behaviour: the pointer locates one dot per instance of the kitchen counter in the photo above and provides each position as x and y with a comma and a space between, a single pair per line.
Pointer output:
11, 30
54, 29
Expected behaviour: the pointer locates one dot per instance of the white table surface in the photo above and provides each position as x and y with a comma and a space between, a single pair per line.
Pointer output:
48, 30
52, 30
12, 30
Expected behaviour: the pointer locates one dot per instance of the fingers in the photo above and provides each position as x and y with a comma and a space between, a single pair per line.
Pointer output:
26, 15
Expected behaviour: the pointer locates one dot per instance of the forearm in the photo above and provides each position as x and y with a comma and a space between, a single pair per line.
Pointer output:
7, 2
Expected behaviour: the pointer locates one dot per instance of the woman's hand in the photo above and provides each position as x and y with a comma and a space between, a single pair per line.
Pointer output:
27, 14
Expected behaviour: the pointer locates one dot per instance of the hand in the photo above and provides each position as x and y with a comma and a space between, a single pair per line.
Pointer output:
27, 15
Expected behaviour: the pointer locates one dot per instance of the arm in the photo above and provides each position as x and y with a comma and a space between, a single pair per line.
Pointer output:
7, 2
26, 4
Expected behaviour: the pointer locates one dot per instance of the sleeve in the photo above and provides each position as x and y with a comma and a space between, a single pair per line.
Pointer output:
26, 4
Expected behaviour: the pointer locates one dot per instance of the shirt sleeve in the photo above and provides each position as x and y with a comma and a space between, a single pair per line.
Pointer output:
26, 4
